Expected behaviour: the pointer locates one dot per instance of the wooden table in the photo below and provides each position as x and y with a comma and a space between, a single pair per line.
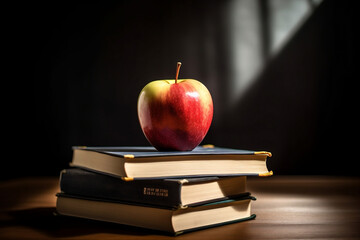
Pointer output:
287, 207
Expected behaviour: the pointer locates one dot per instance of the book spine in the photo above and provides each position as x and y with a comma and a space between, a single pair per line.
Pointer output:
79, 182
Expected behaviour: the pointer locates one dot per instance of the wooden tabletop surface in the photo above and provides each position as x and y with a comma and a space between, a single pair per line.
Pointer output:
287, 207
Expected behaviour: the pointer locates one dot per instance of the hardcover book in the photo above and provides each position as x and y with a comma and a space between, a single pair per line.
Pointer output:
162, 192
146, 162
170, 220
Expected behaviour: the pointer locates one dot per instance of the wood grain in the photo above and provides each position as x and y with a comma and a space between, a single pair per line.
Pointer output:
287, 207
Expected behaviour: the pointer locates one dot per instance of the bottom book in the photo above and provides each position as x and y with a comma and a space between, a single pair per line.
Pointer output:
174, 221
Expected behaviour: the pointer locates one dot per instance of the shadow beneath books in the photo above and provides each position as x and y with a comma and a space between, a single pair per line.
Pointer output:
46, 221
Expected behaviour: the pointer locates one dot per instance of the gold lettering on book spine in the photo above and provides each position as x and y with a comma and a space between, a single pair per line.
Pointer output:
158, 192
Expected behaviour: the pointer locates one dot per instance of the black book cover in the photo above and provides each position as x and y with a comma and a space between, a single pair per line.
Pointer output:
160, 192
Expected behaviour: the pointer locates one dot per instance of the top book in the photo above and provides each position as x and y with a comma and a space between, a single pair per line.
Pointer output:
131, 163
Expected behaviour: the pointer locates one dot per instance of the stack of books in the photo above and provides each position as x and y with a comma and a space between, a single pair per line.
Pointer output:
174, 192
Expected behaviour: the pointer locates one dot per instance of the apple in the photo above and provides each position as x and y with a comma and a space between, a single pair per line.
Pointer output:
175, 114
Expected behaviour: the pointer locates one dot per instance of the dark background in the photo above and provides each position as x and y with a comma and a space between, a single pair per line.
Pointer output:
74, 72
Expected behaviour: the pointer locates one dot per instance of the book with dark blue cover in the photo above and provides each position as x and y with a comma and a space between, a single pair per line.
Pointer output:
147, 163
173, 193
174, 221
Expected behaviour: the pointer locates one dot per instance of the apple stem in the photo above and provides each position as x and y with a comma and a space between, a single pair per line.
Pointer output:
177, 71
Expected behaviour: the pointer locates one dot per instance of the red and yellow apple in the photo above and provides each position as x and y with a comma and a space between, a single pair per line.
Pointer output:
175, 114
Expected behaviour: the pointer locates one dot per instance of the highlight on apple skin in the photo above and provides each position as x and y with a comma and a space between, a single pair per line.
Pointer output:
175, 114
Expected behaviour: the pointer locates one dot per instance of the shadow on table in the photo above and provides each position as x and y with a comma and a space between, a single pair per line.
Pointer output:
46, 221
